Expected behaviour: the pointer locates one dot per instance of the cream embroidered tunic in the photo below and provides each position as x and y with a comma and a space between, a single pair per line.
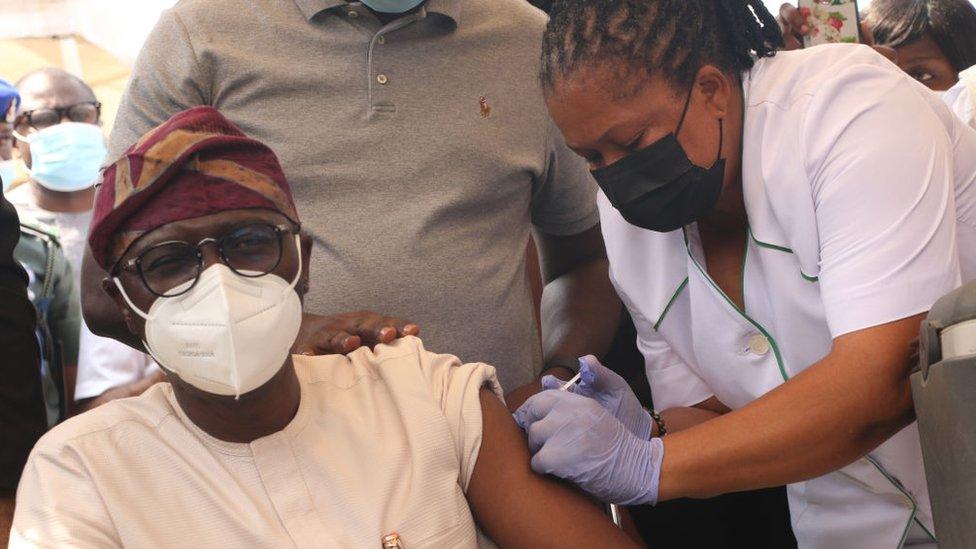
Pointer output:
381, 443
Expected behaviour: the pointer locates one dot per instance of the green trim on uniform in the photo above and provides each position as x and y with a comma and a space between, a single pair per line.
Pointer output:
745, 255
772, 342
674, 298
784, 249
913, 518
762, 244
926, 530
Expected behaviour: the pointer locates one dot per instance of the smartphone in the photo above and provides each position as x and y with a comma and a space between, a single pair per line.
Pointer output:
830, 21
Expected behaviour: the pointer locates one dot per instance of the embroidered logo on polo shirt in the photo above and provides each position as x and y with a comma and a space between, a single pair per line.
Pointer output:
485, 107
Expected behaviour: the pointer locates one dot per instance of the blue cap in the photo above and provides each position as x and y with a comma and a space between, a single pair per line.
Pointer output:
8, 96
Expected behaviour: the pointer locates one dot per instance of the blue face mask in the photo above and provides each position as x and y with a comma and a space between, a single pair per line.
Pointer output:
66, 157
8, 172
392, 6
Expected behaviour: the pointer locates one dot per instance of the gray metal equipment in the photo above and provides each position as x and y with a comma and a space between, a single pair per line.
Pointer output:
944, 389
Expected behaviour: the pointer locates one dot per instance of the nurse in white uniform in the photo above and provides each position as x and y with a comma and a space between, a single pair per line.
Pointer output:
777, 225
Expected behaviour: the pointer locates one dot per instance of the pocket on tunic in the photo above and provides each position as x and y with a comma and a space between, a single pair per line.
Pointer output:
462, 535
441, 525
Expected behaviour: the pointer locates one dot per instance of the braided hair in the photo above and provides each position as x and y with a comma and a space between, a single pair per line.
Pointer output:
672, 38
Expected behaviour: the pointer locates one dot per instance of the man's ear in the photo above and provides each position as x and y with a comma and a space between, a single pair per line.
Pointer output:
109, 287
306, 251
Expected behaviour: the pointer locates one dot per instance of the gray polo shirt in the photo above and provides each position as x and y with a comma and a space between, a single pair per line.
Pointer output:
420, 152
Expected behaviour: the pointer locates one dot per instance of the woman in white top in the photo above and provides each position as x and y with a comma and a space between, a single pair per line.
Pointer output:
777, 226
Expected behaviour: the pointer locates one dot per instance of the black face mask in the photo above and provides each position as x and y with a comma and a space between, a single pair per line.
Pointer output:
658, 188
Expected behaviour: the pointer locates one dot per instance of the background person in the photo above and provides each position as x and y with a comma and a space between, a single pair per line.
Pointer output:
932, 40
935, 39
248, 446
420, 127
53, 292
9, 166
61, 142
22, 415
777, 228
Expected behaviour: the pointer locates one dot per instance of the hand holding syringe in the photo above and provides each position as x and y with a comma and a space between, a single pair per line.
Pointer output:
614, 510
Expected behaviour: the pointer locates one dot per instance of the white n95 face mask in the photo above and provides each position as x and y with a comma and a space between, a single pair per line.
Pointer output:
230, 334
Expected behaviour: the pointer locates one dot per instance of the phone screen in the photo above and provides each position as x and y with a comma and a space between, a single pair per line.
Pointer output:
830, 21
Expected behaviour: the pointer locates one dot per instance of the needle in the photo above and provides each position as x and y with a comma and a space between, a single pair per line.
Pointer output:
570, 382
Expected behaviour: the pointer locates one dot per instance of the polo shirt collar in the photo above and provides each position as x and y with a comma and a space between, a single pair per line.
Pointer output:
311, 8
448, 8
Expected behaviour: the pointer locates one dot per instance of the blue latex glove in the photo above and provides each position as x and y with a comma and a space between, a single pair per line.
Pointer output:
577, 439
8, 97
612, 392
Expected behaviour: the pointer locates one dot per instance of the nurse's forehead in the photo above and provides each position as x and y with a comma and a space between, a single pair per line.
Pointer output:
586, 108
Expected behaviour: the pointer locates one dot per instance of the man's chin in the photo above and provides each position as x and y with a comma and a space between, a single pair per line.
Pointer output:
182, 386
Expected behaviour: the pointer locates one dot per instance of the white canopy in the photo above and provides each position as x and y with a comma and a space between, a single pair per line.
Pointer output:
117, 26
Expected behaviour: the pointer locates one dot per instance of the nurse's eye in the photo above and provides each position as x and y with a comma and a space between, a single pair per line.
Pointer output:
593, 158
636, 142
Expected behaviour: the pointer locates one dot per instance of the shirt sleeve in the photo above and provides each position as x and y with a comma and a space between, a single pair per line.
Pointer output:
961, 98
58, 504
457, 388
104, 363
880, 165
564, 195
167, 78
673, 383
964, 142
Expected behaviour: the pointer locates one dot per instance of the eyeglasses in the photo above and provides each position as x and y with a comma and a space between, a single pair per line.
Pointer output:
250, 251
39, 119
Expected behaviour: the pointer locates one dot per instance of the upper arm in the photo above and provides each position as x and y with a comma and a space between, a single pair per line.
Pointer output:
167, 78
564, 193
518, 508
881, 172
58, 505
561, 254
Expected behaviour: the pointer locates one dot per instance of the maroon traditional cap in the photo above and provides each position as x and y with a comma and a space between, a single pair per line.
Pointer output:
196, 163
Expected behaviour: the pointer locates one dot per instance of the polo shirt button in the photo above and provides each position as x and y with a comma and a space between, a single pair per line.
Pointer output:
382, 79
352, 14
759, 345
381, 40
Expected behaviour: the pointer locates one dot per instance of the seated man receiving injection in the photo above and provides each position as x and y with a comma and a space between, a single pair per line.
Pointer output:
247, 446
